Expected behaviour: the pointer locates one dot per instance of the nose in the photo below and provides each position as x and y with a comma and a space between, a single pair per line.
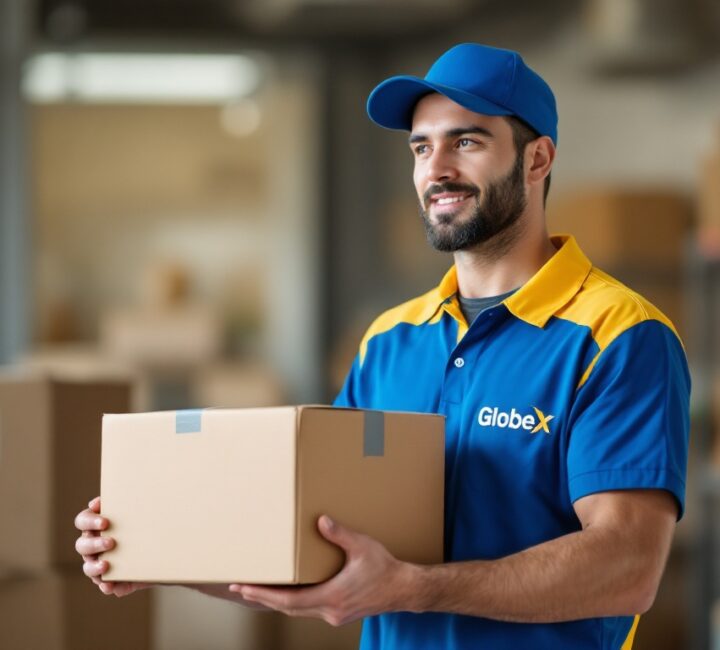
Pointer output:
440, 166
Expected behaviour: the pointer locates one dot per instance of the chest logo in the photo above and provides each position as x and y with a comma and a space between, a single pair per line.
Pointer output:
493, 417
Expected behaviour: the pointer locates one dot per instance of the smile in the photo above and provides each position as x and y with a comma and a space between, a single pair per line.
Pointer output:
448, 199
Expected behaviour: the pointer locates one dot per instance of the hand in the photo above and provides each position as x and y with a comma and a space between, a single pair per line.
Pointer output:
371, 582
90, 545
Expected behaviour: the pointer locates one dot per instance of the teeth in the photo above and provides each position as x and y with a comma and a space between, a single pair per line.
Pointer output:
448, 201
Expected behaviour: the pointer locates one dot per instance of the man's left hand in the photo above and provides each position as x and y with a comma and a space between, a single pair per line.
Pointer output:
371, 582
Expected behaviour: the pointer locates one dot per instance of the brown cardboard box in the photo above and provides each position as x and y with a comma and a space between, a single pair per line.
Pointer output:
172, 337
235, 494
709, 198
65, 611
49, 452
237, 385
623, 229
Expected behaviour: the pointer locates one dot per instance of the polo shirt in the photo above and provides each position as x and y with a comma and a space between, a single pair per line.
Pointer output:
571, 386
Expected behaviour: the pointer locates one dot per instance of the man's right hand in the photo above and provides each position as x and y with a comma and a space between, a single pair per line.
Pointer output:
90, 545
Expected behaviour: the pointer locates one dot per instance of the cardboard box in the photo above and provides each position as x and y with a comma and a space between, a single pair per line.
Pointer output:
709, 198
625, 230
235, 494
49, 452
66, 611
237, 385
166, 338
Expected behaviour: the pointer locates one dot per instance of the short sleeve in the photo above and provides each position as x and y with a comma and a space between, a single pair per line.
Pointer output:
349, 394
629, 425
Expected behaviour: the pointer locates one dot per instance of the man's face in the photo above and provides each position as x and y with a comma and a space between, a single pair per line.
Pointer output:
467, 175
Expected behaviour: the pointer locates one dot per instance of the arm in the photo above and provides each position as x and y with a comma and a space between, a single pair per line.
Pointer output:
611, 567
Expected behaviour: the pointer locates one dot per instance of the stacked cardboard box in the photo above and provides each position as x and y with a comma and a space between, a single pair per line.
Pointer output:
49, 467
709, 196
639, 236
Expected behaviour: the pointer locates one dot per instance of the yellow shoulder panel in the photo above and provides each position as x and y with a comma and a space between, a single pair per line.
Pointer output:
628, 644
414, 312
608, 308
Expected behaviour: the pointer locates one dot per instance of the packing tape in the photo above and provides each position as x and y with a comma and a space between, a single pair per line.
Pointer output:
374, 433
188, 421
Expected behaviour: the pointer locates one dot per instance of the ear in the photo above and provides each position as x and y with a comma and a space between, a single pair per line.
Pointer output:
539, 157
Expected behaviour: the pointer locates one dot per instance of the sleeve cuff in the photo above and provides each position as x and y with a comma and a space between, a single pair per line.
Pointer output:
582, 485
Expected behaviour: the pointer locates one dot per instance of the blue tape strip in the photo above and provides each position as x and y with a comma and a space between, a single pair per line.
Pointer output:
188, 421
374, 433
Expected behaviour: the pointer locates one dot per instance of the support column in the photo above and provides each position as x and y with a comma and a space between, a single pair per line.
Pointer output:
14, 218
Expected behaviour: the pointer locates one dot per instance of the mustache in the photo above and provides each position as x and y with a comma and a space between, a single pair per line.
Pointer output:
439, 188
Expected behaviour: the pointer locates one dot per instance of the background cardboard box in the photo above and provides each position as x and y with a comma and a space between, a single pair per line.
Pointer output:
50, 432
180, 336
709, 196
64, 610
258, 479
629, 230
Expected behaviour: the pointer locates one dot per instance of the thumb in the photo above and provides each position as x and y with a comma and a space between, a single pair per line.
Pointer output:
340, 535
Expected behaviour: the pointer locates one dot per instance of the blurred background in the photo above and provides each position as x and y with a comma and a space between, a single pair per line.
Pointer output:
196, 211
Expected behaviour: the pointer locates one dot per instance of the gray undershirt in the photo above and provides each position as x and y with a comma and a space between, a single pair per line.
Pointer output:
471, 307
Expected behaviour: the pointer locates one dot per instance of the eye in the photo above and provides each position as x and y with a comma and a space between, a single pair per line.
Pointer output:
420, 149
464, 142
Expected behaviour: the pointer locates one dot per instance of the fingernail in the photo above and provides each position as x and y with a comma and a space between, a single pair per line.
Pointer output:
98, 522
329, 523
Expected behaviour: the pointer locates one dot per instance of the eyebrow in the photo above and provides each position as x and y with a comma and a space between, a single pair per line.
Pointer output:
453, 133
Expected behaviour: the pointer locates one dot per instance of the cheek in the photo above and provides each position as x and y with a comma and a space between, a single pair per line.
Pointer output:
417, 181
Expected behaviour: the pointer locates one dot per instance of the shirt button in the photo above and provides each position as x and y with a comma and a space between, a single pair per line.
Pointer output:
459, 362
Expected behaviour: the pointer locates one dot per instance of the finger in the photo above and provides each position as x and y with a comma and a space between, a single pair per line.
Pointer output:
89, 520
94, 505
95, 569
93, 545
342, 536
106, 587
126, 588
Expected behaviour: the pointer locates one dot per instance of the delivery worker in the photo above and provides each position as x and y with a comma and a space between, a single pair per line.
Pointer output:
565, 395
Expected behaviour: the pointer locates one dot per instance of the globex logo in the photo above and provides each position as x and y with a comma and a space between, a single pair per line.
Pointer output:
494, 417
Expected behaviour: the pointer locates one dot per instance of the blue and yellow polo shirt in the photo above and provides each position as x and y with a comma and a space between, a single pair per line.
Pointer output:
573, 385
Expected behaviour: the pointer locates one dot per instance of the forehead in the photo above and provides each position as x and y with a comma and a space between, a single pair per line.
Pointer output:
437, 113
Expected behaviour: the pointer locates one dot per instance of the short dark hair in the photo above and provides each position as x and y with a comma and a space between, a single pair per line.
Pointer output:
523, 134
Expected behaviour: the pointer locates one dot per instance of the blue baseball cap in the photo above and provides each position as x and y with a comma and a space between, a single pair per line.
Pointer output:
481, 78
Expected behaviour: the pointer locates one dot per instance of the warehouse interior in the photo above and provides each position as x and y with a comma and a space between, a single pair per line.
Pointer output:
195, 207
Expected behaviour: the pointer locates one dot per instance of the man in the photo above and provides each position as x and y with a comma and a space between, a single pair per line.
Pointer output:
565, 393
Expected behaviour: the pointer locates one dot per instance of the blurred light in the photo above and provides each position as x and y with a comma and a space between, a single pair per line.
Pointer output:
241, 118
140, 78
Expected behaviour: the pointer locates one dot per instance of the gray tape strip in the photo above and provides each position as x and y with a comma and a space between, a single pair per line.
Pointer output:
188, 421
374, 433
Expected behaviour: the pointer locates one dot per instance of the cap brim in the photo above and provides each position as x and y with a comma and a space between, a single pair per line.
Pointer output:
391, 103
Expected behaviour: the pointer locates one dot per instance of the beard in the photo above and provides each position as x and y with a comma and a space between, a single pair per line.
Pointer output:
501, 207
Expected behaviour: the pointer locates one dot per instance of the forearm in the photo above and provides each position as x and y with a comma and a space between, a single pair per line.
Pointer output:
590, 573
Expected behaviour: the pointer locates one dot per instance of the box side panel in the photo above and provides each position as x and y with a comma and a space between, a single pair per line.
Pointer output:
221, 499
30, 614
77, 412
396, 497
25, 473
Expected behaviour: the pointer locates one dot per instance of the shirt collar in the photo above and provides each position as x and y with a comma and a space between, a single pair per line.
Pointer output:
552, 287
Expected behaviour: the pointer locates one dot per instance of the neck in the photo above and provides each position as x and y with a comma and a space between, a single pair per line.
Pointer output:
505, 262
